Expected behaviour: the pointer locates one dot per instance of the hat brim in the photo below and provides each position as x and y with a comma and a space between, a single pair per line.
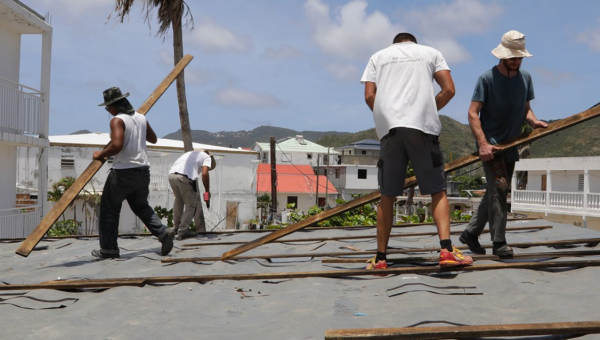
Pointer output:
502, 52
114, 100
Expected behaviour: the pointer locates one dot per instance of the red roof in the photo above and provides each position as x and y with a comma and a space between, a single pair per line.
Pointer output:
292, 179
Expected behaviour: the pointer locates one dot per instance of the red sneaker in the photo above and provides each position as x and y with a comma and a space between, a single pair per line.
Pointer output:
377, 265
454, 258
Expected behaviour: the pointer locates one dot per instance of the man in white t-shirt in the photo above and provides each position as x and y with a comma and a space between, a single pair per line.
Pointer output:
183, 181
399, 90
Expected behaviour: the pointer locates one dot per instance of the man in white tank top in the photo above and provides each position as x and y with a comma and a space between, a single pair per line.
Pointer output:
130, 176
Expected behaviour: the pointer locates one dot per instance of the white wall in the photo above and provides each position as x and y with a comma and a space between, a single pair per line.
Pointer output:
10, 53
8, 170
353, 182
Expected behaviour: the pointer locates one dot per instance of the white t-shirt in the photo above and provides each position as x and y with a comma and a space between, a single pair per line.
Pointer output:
133, 154
191, 163
403, 74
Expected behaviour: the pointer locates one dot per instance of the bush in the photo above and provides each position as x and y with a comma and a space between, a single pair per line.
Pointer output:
65, 228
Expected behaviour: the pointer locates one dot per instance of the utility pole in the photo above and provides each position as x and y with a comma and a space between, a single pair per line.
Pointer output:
327, 179
318, 169
273, 180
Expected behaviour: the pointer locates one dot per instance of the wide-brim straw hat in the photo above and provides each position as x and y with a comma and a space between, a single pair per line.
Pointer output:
512, 46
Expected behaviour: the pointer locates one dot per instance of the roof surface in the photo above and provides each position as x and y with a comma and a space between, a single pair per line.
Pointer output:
291, 144
292, 179
101, 139
278, 309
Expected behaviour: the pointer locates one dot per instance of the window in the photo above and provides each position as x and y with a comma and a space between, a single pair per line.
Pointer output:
349, 152
337, 173
581, 183
362, 173
309, 155
325, 159
294, 200
364, 152
67, 162
321, 202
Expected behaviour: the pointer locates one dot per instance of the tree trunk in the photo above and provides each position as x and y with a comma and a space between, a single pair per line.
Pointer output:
186, 133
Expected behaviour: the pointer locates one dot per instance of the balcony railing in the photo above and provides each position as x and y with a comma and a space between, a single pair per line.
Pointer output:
570, 203
19, 222
20, 108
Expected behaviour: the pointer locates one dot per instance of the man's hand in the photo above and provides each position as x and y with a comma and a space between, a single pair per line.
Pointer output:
98, 155
538, 124
486, 152
206, 197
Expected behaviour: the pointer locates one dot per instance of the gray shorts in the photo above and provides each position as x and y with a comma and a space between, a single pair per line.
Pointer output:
402, 145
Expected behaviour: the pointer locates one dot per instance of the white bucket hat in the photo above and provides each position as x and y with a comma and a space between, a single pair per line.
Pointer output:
512, 46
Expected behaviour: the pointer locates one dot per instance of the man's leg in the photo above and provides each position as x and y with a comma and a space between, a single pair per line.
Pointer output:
113, 195
199, 221
178, 203
441, 214
384, 222
500, 172
470, 236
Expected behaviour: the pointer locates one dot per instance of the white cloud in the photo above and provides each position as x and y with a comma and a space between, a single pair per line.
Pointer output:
237, 97
353, 34
285, 52
451, 49
344, 71
591, 38
72, 8
214, 38
457, 18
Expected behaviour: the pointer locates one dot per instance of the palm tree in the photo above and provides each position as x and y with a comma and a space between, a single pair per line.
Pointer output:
170, 14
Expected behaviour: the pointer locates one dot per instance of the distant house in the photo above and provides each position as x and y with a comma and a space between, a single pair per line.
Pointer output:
24, 115
231, 182
296, 184
561, 189
350, 179
298, 151
363, 152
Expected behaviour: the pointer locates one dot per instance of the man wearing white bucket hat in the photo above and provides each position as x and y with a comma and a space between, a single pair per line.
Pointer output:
499, 107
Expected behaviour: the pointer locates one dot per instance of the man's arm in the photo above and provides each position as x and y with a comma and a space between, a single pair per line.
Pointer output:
444, 80
117, 130
205, 178
150, 134
370, 93
485, 149
531, 119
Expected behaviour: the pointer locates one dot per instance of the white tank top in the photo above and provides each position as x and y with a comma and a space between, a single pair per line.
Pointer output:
133, 154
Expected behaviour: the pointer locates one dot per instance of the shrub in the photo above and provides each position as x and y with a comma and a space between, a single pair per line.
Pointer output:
65, 228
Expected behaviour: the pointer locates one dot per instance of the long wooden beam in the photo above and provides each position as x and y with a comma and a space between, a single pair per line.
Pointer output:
417, 259
68, 196
593, 241
461, 332
449, 167
356, 237
140, 281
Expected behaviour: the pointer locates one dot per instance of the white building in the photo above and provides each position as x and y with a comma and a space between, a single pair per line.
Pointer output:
24, 114
563, 189
351, 179
232, 182
297, 151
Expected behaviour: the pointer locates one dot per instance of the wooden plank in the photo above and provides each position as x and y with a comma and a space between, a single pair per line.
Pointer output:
435, 258
449, 167
461, 332
91, 283
357, 237
36, 235
593, 241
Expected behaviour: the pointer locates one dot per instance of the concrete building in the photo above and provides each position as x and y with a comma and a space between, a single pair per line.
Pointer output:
565, 189
297, 151
232, 182
24, 115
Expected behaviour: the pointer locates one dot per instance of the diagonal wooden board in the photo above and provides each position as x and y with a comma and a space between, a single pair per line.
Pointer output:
449, 167
36, 235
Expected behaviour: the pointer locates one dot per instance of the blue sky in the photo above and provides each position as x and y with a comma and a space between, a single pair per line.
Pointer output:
297, 64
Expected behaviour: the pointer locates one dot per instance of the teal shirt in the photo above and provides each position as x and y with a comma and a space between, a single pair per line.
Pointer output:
503, 111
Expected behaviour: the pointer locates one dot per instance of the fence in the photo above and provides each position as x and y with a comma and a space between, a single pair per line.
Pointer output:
19, 222
20, 108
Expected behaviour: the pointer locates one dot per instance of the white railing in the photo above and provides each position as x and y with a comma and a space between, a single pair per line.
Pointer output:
158, 182
566, 199
19, 222
593, 201
20, 108
528, 197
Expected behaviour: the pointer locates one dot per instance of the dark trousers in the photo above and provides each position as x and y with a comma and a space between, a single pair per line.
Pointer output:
494, 207
131, 185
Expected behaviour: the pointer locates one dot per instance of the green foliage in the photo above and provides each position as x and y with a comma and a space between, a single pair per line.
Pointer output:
457, 215
65, 228
263, 201
363, 215
275, 226
468, 183
164, 213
